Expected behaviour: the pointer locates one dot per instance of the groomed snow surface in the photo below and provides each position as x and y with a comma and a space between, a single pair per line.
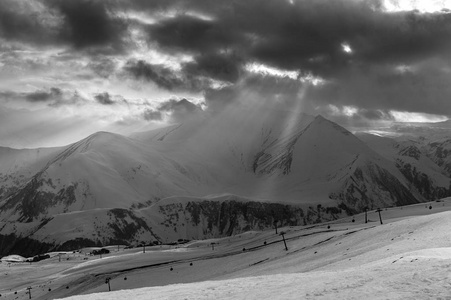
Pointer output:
408, 257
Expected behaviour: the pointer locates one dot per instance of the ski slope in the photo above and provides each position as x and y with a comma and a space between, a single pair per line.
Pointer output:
408, 256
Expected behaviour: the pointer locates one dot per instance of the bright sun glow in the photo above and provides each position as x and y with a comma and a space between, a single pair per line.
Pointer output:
346, 48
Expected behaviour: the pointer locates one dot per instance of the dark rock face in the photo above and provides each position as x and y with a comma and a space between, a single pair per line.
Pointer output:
440, 153
422, 183
210, 218
13, 244
231, 217
78, 243
125, 226
32, 202
277, 155
7, 190
365, 183
411, 151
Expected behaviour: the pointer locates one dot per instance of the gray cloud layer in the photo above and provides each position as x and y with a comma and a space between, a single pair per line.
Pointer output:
399, 61
307, 37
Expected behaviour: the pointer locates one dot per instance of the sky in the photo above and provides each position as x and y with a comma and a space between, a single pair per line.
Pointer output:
69, 68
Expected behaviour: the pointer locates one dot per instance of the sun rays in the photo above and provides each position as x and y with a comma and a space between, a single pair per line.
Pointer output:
290, 126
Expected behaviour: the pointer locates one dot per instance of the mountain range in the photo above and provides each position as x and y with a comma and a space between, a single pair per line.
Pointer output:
208, 177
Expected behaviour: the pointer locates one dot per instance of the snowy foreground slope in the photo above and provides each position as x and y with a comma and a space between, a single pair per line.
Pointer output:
417, 275
415, 265
408, 257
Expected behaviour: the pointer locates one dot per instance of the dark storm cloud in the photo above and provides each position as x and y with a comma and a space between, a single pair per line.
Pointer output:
69, 98
425, 89
21, 21
222, 67
306, 35
90, 23
43, 96
53, 97
164, 77
406, 37
188, 33
161, 76
272, 90
82, 24
223, 37
104, 98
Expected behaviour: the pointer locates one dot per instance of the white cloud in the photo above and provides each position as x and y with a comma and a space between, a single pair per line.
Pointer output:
403, 116
349, 110
423, 6
272, 71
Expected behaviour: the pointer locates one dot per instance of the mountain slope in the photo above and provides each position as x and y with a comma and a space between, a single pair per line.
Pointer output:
153, 185
166, 221
102, 171
440, 152
424, 174
18, 166
325, 161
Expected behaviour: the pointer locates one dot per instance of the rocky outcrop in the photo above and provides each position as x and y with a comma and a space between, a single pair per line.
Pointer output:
371, 186
440, 153
422, 182
209, 218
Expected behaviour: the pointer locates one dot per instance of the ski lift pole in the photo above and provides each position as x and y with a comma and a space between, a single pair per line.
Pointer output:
380, 217
107, 280
29, 292
284, 242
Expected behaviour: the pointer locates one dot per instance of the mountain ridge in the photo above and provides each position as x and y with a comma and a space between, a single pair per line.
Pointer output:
311, 164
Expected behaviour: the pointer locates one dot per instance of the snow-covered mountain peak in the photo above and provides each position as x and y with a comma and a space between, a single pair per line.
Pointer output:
317, 148
282, 156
